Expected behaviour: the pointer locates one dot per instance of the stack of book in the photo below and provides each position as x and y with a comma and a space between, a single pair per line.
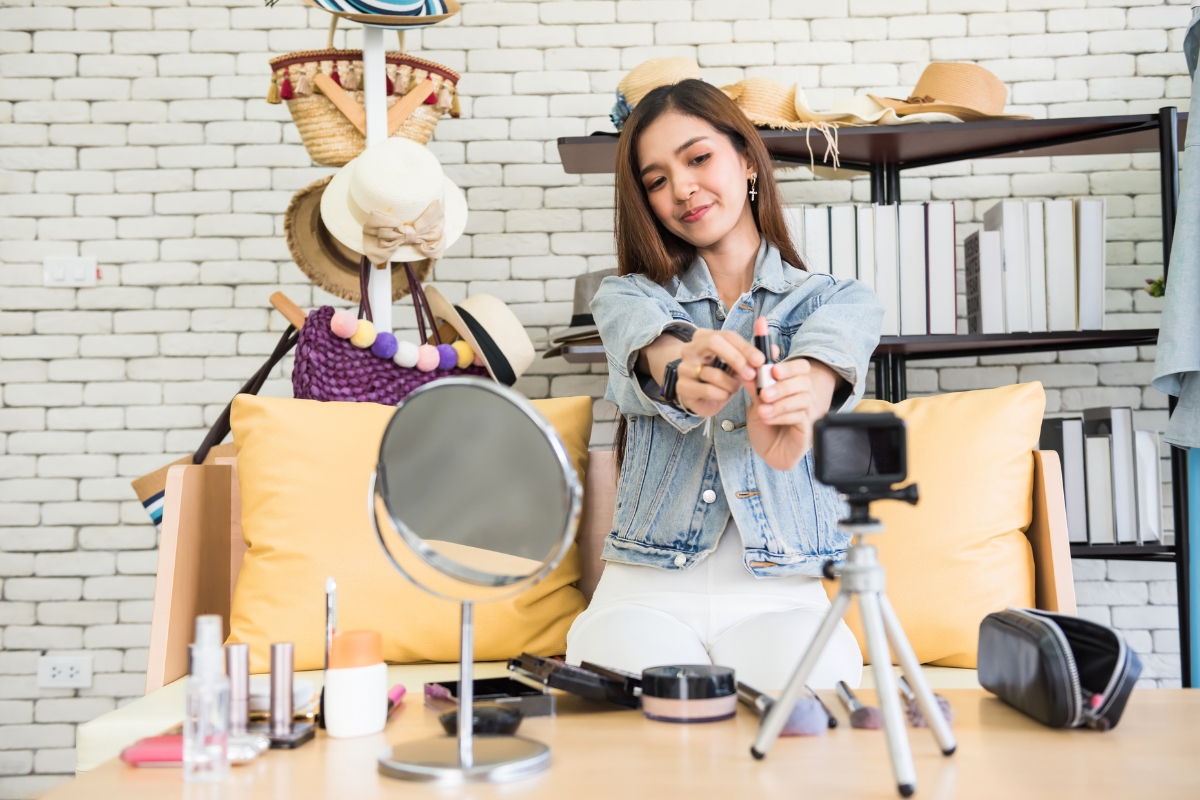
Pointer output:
1037, 266
904, 252
1112, 479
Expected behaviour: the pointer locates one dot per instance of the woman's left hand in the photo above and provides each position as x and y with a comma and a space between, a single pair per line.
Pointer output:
779, 421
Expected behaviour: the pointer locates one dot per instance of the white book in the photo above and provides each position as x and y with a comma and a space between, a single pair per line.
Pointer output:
887, 268
1035, 236
866, 245
1118, 424
1089, 245
985, 283
940, 272
843, 242
1149, 486
1008, 218
913, 310
1099, 489
816, 239
1061, 299
794, 219
1065, 437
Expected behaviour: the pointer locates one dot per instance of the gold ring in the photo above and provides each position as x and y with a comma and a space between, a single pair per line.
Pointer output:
698, 368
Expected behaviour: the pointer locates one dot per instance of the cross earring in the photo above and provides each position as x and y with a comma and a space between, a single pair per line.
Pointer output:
753, 180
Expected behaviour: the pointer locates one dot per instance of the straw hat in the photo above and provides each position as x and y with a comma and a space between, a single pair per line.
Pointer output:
966, 91
393, 203
327, 262
862, 110
648, 76
492, 330
765, 102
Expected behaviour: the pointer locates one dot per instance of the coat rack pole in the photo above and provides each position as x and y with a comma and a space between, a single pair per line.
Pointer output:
375, 104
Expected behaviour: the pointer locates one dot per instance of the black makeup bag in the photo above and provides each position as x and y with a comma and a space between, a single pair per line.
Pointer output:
1063, 671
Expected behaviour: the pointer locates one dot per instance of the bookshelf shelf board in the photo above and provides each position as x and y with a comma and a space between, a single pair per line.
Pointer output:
911, 146
1158, 552
952, 345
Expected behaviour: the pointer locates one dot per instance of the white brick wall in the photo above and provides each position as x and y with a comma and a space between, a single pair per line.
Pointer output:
138, 134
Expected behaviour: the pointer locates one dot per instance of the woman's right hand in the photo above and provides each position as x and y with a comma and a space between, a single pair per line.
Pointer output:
704, 389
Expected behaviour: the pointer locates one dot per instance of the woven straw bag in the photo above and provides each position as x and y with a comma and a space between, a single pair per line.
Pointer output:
323, 92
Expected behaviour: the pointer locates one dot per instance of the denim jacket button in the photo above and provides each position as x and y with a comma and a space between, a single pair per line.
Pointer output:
680, 560
727, 425
709, 496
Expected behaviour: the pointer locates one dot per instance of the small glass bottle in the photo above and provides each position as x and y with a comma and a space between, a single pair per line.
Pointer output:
206, 720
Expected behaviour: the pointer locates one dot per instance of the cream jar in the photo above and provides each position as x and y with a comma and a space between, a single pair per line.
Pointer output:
696, 693
356, 696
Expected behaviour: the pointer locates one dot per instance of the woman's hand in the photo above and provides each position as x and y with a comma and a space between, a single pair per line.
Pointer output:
779, 421
704, 389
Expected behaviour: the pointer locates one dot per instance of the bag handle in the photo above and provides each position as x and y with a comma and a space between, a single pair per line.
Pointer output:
220, 428
420, 302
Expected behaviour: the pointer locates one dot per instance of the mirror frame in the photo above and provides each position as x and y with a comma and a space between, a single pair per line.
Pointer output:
445, 565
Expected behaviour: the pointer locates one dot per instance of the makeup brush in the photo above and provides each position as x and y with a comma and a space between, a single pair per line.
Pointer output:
825, 708
863, 717
912, 709
808, 717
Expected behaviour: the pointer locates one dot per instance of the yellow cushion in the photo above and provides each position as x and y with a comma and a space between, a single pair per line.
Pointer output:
961, 552
304, 467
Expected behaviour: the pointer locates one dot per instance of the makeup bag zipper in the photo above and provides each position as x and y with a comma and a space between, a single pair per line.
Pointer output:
1067, 656
1109, 695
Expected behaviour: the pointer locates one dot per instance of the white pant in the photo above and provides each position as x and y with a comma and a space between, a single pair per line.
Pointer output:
717, 612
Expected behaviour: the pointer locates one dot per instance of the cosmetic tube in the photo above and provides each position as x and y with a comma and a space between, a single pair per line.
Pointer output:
356, 690
762, 341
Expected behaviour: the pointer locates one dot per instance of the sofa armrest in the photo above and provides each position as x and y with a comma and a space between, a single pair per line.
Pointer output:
194, 566
1047, 535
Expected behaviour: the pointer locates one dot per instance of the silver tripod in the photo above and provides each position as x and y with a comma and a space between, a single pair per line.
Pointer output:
863, 575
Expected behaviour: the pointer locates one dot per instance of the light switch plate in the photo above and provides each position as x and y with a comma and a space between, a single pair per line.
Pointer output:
64, 672
69, 271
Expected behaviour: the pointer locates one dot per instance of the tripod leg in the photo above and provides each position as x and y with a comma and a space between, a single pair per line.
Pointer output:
912, 670
889, 701
772, 724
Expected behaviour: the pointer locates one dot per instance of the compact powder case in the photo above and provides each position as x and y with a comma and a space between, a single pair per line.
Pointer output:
700, 693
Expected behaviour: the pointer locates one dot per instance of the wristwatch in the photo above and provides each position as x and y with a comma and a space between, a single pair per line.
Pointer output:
670, 379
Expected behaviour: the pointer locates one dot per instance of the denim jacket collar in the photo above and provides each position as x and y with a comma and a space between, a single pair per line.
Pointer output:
697, 282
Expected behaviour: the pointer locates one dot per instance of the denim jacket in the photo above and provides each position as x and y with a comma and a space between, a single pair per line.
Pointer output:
1177, 360
678, 486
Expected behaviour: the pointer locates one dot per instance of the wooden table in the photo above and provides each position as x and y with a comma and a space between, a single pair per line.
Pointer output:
600, 752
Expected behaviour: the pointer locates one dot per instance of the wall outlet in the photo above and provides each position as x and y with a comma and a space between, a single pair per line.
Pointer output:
69, 271
64, 672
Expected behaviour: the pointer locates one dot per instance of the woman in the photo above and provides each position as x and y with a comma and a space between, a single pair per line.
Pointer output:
720, 529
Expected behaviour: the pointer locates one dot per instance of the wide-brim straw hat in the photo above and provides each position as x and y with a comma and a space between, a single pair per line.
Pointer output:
399, 15
400, 178
327, 262
656, 72
966, 91
765, 102
862, 110
492, 330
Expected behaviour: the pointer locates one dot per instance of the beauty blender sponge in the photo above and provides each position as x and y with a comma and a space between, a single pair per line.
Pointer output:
808, 718
343, 323
447, 356
465, 353
385, 345
406, 354
364, 337
428, 358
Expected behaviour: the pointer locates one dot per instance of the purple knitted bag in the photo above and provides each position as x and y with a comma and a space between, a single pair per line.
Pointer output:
329, 368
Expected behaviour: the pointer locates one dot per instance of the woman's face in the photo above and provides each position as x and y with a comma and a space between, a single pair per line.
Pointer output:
694, 178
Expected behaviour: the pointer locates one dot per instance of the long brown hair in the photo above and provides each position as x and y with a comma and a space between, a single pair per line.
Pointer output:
644, 244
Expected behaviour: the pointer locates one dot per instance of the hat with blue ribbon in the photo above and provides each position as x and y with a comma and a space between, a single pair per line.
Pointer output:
400, 14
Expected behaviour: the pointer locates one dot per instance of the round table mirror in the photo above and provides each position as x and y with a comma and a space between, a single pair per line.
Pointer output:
480, 501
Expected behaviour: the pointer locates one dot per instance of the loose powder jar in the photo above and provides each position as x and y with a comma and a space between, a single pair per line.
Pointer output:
700, 693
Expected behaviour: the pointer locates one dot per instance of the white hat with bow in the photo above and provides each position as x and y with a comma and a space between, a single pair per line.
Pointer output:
394, 203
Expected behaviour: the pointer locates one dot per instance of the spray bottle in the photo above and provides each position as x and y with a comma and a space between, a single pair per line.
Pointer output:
206, 719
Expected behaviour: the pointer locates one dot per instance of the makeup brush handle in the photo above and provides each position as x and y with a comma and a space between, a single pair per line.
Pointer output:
905, 689
847, 697
754, 698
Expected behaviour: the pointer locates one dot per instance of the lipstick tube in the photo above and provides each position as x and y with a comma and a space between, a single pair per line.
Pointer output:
762, 341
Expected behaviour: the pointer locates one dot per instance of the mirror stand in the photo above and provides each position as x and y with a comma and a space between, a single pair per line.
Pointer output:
467, 758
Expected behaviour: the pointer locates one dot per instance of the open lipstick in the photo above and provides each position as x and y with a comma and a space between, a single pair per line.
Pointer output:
763, 342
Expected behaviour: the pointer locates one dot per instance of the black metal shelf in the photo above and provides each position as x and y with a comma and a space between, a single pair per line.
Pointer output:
883, 151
